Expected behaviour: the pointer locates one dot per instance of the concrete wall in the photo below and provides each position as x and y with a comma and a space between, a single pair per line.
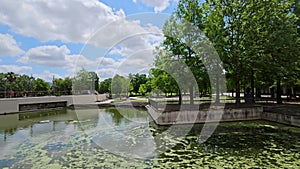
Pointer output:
11, 105
213, 115
289, 119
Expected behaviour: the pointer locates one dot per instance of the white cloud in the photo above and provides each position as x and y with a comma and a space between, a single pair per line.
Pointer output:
55, 56
9, 46
52, 56
106, 62
68, 21
120, 30
73, 21
106, 73
140, 60
47, 76
15, 68
159, 5
137, 43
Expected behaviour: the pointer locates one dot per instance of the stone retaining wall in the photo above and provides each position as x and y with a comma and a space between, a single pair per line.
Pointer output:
202, 116
293, 120
215, 115
12, 105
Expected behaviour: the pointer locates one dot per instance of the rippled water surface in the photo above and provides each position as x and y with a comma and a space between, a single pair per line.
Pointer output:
126, 138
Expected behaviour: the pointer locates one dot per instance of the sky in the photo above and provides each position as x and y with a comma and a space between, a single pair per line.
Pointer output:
56, 38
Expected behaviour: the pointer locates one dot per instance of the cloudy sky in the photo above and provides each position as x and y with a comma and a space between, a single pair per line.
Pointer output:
56, 38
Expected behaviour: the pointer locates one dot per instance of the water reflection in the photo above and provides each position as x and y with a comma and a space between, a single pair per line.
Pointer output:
114, 138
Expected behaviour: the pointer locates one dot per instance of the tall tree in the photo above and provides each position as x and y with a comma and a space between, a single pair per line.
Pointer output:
41, 87
119, 86
86, 81
11, 77
105, 86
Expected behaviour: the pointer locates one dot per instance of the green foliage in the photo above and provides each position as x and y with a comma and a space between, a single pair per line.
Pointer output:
85, 81
105, 86
119, 86
136, 80
145, 88
41, 87
252, 38
62, 86
163, 81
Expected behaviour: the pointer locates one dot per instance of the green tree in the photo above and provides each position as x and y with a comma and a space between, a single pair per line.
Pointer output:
145, 88
186, 48
105, 86
85, 81
119, 86
136, 80
41, 87
23, 85
62, 86
253, 38
11, 77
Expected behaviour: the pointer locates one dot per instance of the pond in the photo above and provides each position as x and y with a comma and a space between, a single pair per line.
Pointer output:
127, 138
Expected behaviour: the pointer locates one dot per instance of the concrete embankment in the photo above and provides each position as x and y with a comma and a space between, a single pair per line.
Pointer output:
202, 116
169, 114
286, 114
15, 105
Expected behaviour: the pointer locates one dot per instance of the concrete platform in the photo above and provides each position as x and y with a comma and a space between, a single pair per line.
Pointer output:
15, 105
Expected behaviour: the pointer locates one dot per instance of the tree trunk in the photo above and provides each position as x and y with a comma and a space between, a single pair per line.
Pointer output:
237, 92
192, 94
180, 97
258, 93
278, 90
293, 92
252, 86
217, 89
272, 93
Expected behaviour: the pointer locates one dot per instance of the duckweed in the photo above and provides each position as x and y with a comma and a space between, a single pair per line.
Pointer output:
90, 143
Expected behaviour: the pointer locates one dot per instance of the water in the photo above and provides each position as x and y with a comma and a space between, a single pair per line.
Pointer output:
126, 138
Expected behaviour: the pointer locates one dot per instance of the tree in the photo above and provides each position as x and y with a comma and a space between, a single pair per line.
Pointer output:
62, 86
136, 80
85, 81
119, 86
67, 85
11, 77
105, 86
41, 87
95, 81
186, 49
253, 38
23, 84
145, 88
161, 80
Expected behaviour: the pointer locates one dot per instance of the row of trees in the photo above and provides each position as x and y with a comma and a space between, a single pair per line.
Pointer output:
15, 85
257, 42
157, 82
134, 84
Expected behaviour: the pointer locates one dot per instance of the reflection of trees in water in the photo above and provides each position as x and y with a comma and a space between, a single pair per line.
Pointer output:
8, 132
126, 115
11, 123
116, 116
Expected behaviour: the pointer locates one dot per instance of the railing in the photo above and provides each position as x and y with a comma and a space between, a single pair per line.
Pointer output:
14, 94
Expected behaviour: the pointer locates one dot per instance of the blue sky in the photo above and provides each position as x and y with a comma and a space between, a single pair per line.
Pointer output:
57, 38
